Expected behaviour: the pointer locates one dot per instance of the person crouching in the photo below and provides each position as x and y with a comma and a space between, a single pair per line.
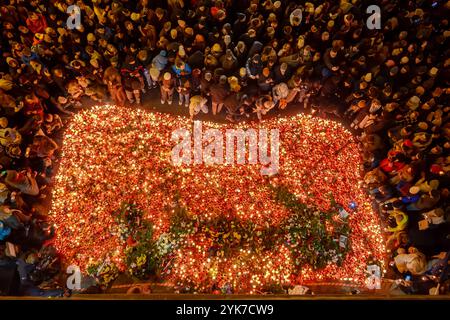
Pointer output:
197, 104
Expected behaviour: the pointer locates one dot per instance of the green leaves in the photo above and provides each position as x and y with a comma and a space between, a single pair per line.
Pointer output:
306, 231
140, 247
310, 234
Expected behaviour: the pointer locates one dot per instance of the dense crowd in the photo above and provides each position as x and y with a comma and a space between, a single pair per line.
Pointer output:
243, 59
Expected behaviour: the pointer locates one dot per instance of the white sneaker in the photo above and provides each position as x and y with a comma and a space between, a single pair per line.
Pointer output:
162, 102
170, 102
180, 102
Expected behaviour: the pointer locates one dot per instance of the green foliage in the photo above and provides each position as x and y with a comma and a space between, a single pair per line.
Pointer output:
141, 258
105, 272
137, 234
311, 233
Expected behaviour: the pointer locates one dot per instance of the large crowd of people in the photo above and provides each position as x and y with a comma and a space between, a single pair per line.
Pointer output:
243, 59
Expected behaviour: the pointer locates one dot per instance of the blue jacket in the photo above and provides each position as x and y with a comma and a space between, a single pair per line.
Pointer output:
26, 60
4, 231
182, 73
160, 61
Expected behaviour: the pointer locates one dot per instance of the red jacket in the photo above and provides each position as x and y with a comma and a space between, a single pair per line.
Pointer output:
37, 26
389, 166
